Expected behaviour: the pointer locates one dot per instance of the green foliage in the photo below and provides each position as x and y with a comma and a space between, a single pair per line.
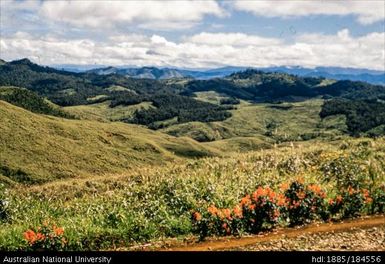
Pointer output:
361, 115
30, 101
305, 203
378, 194
185, 109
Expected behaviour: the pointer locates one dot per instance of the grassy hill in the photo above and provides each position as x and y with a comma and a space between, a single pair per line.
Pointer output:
102, 111
149, 203
37, 148
269, 123
31, 101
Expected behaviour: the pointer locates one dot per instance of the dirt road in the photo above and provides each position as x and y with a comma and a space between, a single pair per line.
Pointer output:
371, 230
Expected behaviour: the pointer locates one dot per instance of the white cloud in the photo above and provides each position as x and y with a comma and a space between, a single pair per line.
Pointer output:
367, 12
233, 39
144, 14
203, 50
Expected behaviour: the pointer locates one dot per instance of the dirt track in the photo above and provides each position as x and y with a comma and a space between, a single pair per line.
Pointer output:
285, 233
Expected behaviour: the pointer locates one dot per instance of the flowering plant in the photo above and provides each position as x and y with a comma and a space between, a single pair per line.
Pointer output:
46, 237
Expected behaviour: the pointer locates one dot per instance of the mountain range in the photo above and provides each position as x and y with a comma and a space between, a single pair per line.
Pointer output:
159, 73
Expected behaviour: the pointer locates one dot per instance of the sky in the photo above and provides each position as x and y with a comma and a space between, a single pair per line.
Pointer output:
195, 34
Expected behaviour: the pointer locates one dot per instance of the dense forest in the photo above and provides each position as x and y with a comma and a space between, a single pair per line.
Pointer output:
258, 86
183, 108
361, 115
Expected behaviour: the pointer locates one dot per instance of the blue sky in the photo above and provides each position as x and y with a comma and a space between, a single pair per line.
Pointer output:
196, 34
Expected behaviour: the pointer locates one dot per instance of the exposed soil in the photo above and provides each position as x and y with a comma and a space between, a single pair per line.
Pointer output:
366, 233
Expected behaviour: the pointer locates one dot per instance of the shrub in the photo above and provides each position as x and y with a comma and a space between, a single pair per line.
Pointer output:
260, 210
217, 221
304, 203
46, 237
354, 201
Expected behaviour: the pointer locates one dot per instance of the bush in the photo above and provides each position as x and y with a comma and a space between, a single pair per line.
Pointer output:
215, 221
46, 237
305, 203
261, 210
298, 203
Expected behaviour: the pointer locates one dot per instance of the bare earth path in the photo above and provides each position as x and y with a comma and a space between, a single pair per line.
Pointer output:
359, 234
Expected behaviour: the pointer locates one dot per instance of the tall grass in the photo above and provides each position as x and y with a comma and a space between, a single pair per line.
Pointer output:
150, 203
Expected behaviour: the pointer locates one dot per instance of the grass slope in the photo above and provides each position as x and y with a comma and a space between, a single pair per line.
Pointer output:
151, 202
39, 148
102, 111
268, 123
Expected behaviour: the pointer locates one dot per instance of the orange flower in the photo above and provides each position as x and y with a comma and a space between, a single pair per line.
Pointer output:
258, 193
238, 212
212, 210
60, 231
365, 192
281, 200
245, 200
315, 188
197, 216
227, 213
30, 236
331, 201
284, 186
271, 194
40, 236
350, 190
252, 207
368, 200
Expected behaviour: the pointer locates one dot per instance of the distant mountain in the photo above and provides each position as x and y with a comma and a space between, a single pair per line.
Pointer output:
167, 73
143, 73
337, 73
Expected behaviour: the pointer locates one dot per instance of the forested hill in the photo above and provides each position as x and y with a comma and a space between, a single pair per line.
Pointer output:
175, 99
68, 88
271, 86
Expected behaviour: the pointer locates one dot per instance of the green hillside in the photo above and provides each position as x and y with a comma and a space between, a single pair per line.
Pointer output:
38, 148
271, 123
31, 101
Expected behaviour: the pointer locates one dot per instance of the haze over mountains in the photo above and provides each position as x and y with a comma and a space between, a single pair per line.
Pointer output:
160, 73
